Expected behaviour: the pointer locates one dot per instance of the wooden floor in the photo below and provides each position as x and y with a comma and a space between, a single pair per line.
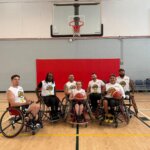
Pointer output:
58, 136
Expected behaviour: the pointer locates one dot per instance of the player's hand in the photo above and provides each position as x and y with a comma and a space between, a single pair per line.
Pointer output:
132, 94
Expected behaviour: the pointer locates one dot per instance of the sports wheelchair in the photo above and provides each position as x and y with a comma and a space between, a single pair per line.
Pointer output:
46, 111
118, 114
66, 107
14, 119
69, 112
130, 102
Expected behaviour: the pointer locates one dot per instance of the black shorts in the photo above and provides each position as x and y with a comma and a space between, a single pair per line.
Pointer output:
50, 100
79, 102
112, 102
95, 96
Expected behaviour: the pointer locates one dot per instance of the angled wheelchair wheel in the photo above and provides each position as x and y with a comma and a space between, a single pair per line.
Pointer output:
134, 105
44, 112
116, 124
65, 108
11, 122
125, 113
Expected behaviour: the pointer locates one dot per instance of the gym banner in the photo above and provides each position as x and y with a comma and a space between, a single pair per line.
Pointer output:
81, 68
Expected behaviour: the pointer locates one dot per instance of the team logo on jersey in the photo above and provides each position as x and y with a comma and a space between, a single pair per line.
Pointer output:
110, 91
72, 87
95, 88
49, 88
123, 83
21, 96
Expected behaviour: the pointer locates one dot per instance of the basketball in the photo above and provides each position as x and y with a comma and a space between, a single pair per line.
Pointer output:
79, 96
117, 95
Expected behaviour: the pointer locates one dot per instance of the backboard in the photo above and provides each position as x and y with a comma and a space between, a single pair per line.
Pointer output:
85, 16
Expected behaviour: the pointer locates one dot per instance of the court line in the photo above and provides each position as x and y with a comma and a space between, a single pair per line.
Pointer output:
77, 137
90, 135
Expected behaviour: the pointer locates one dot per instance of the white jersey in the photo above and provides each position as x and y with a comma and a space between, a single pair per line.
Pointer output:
95, 86
70, 86
124, 82
115, 86
48, 88
18, 94
76, 91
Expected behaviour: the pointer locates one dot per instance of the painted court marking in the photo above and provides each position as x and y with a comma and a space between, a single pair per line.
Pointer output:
89, 135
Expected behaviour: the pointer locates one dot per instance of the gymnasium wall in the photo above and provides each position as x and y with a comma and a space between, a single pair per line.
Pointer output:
32, 18
19, 56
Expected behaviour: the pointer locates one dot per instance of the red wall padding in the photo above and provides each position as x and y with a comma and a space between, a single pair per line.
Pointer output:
81, 68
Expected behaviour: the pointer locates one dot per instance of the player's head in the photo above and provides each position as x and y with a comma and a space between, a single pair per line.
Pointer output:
121, 72
15, 79
112, 79
94, 76
79, 84
71, 77
49, 77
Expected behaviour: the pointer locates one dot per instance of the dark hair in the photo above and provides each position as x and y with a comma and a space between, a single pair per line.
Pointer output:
46, 78
14, 76
121, 69
112, 75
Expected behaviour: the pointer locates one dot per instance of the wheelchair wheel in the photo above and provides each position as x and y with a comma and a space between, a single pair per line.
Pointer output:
116, 124
125, 113
12, 122
65, 108
44, 113
134, 106
89, 110
63, 105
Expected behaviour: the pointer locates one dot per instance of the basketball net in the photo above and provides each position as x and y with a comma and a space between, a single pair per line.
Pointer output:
76, 28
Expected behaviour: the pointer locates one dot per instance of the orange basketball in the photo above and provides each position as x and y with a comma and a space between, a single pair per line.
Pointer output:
79, 96
117, 95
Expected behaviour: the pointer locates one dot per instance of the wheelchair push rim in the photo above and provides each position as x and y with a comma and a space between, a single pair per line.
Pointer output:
12, 122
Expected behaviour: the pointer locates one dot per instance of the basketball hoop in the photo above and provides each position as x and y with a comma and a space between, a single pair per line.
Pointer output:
76, 25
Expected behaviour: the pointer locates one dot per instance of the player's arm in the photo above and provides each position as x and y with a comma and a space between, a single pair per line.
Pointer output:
122, 91
28, 101
85, 96
88, 89
37, 90
66, 90
103, 88
71, 97
54, 88
11, 100
131, 84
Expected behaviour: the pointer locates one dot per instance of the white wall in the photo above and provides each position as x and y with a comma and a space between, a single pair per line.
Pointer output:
25, 20
126, 17
32, 18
